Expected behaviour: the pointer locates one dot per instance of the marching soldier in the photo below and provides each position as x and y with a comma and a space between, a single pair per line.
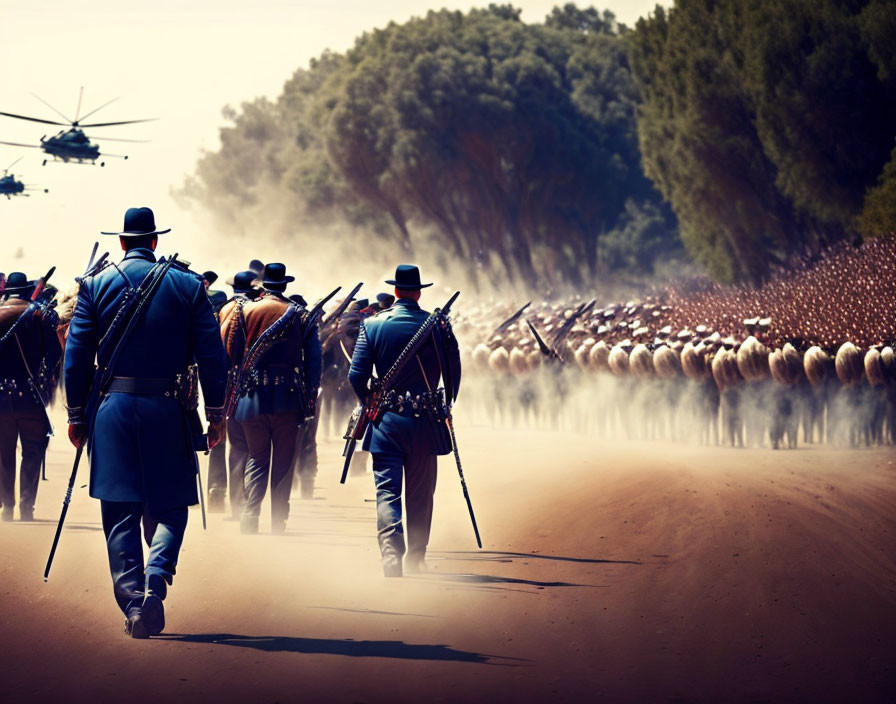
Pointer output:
277, 392
384, 300
140, 436
217, 298
407, 438
218, 475
29, 365
217, 460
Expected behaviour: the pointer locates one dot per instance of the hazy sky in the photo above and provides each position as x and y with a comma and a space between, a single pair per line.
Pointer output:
178, 60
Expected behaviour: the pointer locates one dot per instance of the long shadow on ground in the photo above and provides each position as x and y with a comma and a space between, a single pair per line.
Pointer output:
350, 648
489, 579
498, 556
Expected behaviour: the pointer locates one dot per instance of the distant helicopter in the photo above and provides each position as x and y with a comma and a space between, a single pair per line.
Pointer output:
72, 145
9, 187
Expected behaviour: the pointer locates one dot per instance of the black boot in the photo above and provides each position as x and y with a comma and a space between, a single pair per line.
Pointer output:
153, 609
134, 625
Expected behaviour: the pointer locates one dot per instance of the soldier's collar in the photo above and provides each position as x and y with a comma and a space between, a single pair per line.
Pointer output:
140, 253
406, 302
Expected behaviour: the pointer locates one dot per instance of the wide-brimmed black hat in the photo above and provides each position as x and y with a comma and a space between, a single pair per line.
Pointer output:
210, 276
407, 277
138, 222
17, 282
242, 281
275, 275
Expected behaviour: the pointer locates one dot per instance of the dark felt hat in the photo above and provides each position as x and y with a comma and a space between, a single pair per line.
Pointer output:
275, 275
407, 277
217, 299
17, 282
210, 276
385, 300
137, 222
256, 266
242, 281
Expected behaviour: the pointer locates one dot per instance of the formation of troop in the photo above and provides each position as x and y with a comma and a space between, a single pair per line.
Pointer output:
809, 351
138, 343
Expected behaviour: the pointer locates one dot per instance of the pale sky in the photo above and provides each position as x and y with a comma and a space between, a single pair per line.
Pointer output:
177, 60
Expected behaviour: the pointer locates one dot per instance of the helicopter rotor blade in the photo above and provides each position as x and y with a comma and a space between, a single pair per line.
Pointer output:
97, 109
119, 139
68, 120
80, 97
12, 164
110, 124
34, 119
19, 144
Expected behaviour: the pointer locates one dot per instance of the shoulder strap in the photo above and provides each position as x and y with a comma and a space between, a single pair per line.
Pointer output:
126, 320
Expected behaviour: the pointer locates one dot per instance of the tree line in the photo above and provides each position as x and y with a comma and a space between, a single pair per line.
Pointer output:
563, 150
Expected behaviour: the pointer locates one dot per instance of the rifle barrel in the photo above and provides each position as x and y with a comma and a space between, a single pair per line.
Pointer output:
65, 503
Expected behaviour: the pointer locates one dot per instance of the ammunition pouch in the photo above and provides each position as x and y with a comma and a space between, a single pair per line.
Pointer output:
429, 404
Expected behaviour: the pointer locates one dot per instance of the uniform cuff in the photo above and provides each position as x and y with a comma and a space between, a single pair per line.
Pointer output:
214, 414
75, 414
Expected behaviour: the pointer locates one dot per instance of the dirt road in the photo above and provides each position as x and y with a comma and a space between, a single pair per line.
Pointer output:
610, 573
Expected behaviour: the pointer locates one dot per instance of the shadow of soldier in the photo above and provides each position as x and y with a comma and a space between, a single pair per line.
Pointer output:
326, 646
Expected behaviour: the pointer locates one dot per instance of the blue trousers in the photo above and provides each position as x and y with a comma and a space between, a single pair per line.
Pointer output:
419, 472
164, 535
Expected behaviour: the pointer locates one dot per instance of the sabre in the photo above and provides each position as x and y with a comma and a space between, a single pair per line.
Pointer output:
65, 502
201, 499
463, 482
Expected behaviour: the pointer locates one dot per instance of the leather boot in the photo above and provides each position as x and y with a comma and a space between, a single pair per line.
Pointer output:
153, 609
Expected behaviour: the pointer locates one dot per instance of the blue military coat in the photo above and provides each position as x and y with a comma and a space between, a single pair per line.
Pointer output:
380, 341
141, 447
40, 348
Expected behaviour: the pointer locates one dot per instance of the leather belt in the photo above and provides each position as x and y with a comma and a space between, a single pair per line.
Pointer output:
137, 385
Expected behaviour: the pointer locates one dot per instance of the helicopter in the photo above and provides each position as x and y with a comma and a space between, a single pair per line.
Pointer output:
71, 144
9, 187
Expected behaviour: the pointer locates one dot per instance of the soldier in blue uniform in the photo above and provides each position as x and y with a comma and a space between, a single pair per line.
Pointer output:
408, 436
141, 443
29, 368
217, 459
276, 395
235, 469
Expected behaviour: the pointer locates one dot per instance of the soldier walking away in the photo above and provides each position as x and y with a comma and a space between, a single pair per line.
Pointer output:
276, 385
230, 318
29, 367
411, 431
142, 431
217, 459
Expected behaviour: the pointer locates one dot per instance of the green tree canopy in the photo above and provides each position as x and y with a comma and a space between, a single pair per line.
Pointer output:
511, 145
765, 124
